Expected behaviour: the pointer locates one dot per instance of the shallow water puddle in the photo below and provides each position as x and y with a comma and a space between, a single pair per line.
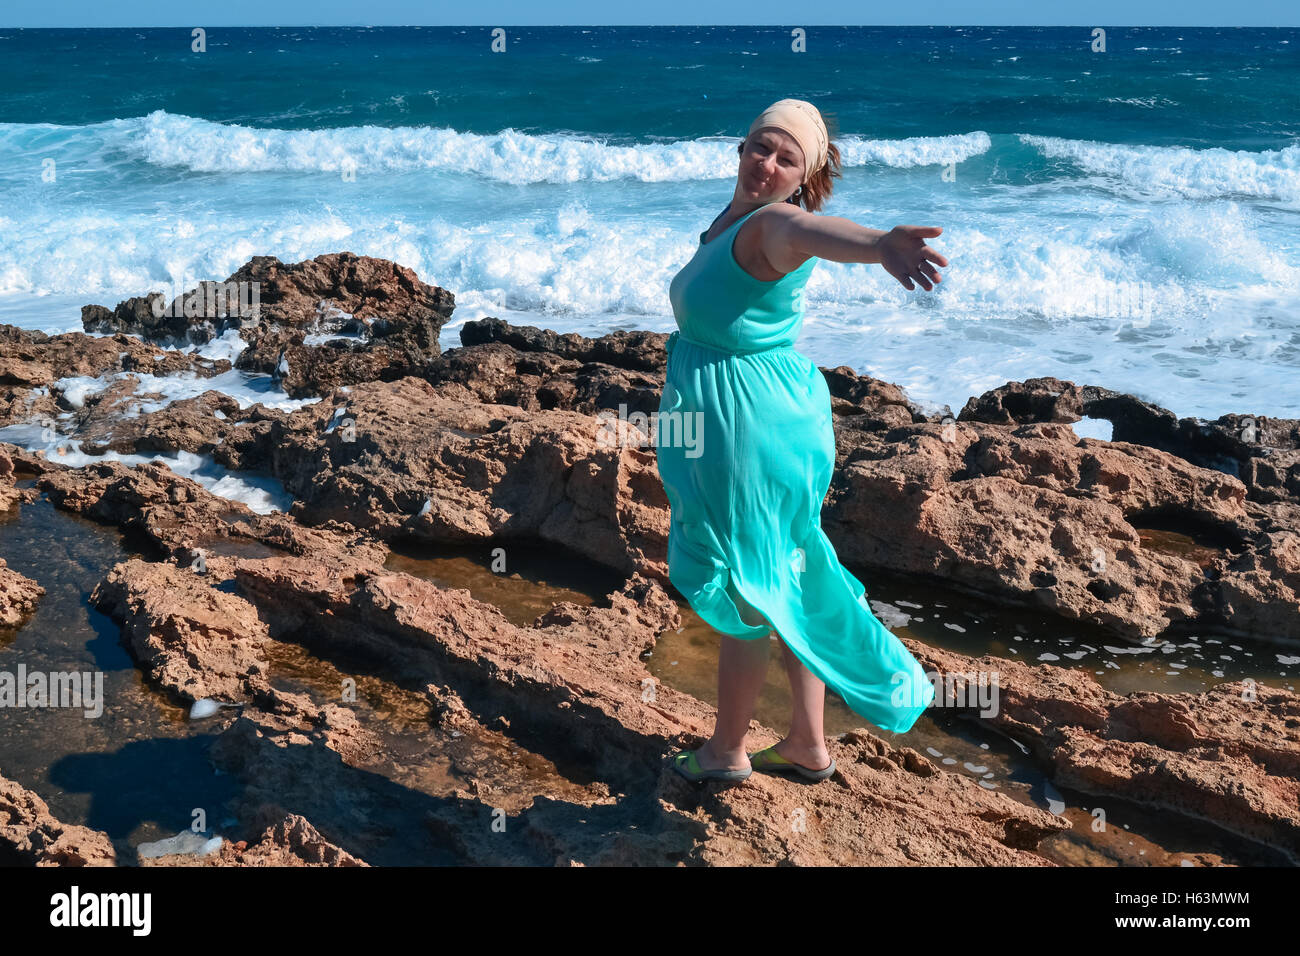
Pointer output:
521, 579
236, 547
415, 752
974, 626
1176, 543
139, 769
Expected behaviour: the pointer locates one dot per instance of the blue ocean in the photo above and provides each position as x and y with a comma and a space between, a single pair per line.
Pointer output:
1126, 217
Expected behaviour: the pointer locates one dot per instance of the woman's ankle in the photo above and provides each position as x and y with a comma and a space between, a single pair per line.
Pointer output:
805, 741
725, 752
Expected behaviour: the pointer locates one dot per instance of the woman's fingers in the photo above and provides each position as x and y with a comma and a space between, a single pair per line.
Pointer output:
923, 259
918, 232
930, 254
908, 275
915, 272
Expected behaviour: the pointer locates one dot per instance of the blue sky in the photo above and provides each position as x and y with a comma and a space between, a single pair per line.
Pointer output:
190, 13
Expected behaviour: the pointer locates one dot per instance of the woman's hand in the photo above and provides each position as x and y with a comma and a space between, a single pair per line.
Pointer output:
905, 256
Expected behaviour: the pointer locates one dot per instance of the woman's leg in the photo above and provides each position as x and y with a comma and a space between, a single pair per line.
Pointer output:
742, 666
806, 742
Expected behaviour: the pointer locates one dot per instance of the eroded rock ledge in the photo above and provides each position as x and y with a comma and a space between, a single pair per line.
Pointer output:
572, 687
1230, 755
30, 835
1175, 525
19, 595
569, 688
318, 324
1027, 514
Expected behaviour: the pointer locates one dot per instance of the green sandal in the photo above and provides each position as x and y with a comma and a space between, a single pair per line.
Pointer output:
769, 761
689, 767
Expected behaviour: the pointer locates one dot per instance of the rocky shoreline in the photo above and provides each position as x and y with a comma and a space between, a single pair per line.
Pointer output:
1174, 526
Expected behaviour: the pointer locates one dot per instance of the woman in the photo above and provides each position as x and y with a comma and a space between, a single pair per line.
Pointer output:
745, 545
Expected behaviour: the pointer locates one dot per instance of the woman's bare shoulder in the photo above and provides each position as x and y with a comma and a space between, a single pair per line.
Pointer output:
781, 222
784, 214
764, 250
787, 209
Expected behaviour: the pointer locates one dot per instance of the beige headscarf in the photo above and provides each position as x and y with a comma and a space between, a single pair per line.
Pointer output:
804, 122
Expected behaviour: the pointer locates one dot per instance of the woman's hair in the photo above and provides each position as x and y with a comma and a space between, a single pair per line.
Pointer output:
817, 190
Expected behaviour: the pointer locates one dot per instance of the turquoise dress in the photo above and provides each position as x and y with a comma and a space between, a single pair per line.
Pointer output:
745, 451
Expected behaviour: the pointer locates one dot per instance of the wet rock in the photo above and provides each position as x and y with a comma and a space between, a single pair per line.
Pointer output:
139, 315
196, 425
188, 637
181, 520
391, 317
373, 293
447, 637
1229, 755
120, 399
1263, 452
32, 836
292, 841
32, 362
405, 459
1034, 515
30, 358
25, 464
242, 439
304, 370
195, 639
1229, 440
192, 633
10, 493
1259, 591
1023, 403
19, 596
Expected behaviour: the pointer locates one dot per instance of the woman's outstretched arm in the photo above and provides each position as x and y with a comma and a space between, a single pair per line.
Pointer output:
901, 251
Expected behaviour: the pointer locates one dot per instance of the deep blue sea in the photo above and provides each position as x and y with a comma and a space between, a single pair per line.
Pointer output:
1127, 218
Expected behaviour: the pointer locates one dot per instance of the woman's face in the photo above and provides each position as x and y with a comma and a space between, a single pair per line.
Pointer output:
771, 166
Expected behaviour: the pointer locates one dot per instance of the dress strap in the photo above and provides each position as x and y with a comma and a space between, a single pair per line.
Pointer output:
717, 217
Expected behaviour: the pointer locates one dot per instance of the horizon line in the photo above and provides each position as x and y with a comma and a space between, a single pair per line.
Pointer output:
932, 26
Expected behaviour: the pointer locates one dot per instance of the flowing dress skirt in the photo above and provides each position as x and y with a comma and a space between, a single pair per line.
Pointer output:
746, 450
